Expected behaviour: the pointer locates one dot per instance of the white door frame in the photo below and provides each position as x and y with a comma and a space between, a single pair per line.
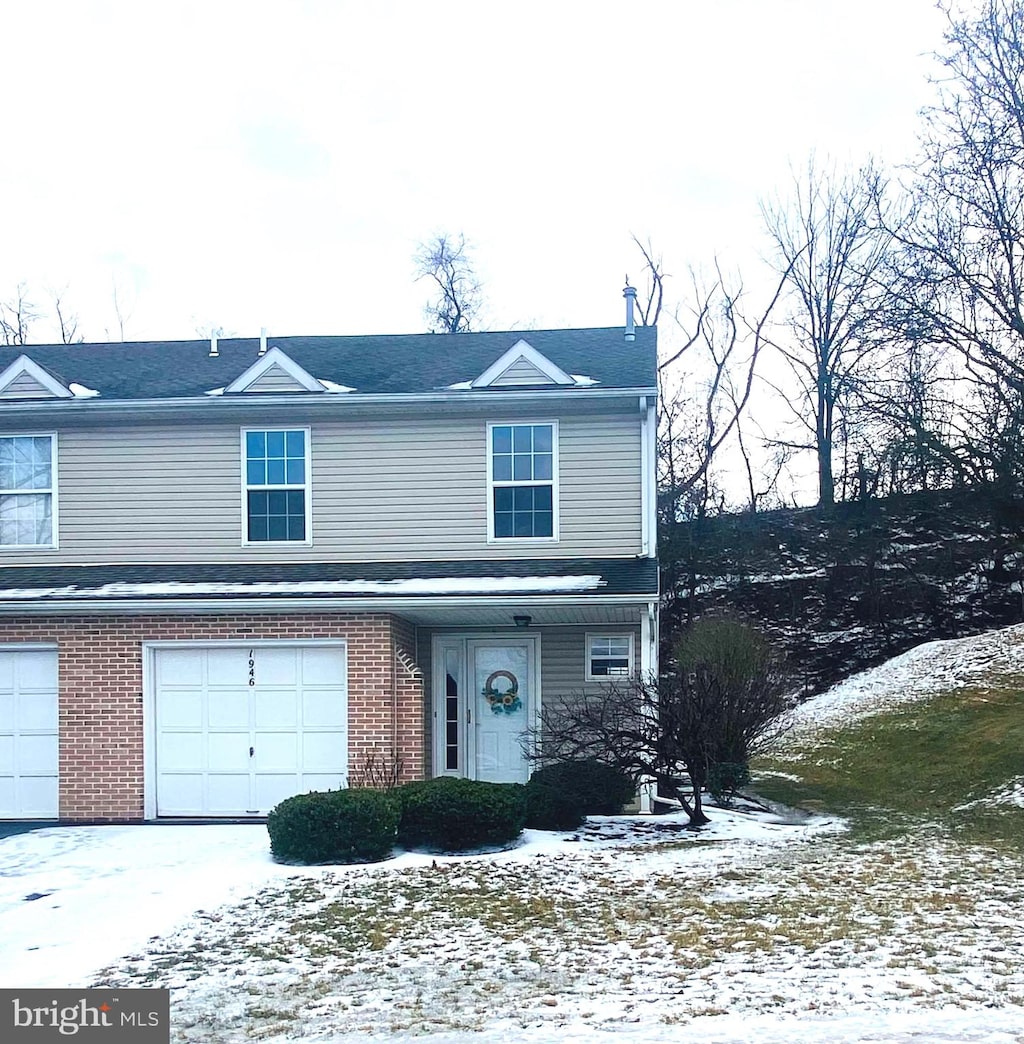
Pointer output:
149, 730
461, 640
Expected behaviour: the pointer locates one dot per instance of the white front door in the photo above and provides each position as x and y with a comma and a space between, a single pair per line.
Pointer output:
238, 728
485, 703
28, 734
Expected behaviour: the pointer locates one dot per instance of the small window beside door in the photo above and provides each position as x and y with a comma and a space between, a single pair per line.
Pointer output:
609, 656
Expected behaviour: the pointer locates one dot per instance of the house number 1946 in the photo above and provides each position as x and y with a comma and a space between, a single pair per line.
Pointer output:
252, 669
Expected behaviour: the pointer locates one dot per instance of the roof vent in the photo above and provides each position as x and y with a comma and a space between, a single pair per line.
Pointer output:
213, 344
629, 293
263, 340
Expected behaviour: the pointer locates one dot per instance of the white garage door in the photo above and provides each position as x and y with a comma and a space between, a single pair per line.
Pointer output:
239, 728
28, 734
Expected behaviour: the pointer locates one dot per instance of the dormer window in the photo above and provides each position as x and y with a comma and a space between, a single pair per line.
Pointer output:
277, 491
28, 468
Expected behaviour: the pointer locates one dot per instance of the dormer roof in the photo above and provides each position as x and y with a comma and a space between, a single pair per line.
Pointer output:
521, 366
274, 372
25, 379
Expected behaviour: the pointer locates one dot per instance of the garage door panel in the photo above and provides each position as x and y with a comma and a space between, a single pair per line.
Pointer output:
8, 668
180, 708
38, 795
36, 669
323, 666
37, 755
276, 666
324, 708
182, 794
228, 751
277, 752
272, 789
228, 793
229, 709
36, 711
324, 752
180, 752
177, 668
225, 666
6, 760
278, 707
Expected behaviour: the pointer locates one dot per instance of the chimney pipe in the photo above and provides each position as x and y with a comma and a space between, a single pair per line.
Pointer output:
263, 340
213, 345
629, 293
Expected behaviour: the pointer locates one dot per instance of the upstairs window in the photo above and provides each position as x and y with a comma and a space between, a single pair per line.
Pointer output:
277, 493
523, 467
609, 656
28, 469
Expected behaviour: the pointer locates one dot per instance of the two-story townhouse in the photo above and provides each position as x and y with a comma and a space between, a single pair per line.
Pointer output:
234, 571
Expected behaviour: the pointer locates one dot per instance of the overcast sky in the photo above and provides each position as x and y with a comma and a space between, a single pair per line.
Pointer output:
249, 164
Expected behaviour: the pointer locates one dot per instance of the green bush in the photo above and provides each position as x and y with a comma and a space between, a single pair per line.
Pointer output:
725, 778
595, 788
448, 814
336, 826
550, 809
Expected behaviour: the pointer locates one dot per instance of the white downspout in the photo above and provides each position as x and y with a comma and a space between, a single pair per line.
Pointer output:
645, 480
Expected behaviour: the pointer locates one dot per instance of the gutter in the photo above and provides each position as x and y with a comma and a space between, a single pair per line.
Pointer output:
264, 604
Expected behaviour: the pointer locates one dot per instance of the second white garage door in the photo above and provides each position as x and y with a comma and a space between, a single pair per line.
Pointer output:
238, 728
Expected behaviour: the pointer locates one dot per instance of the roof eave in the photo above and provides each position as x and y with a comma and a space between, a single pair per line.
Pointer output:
263, 604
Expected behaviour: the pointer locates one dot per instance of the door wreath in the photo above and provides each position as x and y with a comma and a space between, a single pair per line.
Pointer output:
502, 701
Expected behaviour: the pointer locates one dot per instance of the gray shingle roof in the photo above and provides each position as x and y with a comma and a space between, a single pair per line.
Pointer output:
40, 584
373, 364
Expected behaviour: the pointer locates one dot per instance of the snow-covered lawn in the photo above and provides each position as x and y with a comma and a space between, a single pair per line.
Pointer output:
759, 928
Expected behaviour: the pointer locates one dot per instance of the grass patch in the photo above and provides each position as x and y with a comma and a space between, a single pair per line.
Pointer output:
917, 763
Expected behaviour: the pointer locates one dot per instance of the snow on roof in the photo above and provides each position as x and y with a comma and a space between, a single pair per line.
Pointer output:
80, 391
331, 386
581, 378
414, 586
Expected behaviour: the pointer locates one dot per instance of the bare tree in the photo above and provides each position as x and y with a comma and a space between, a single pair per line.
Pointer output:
826, 240
719, 703
650, 305
17, 316
67, 321
960, 281
445, 260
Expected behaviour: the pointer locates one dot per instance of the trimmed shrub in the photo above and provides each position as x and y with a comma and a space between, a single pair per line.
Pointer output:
725, 778
550, 809
335, 826
448, 814
595, 788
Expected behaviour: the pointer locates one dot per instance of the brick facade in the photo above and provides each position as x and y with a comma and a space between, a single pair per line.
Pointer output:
100, 678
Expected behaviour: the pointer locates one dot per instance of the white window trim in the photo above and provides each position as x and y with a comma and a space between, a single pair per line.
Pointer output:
555, 521
54, 544
308, 487
606, 678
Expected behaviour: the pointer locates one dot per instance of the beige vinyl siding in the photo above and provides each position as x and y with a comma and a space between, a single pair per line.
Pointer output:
381, 491
24, 386
520, 373
275, 380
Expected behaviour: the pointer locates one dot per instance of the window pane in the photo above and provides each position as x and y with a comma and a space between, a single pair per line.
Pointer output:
275, 472
296, 527
296, 472
543, 522
542, 498
277, 527
522, 498
501, 439
542, 466
295, 441
502, 467
26, 519
277, 502
522, 438
296, 501
275, 443
256, 473
503, 498
542, 438
522, 470
258, 527
255, 444
522, 524
503, 523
